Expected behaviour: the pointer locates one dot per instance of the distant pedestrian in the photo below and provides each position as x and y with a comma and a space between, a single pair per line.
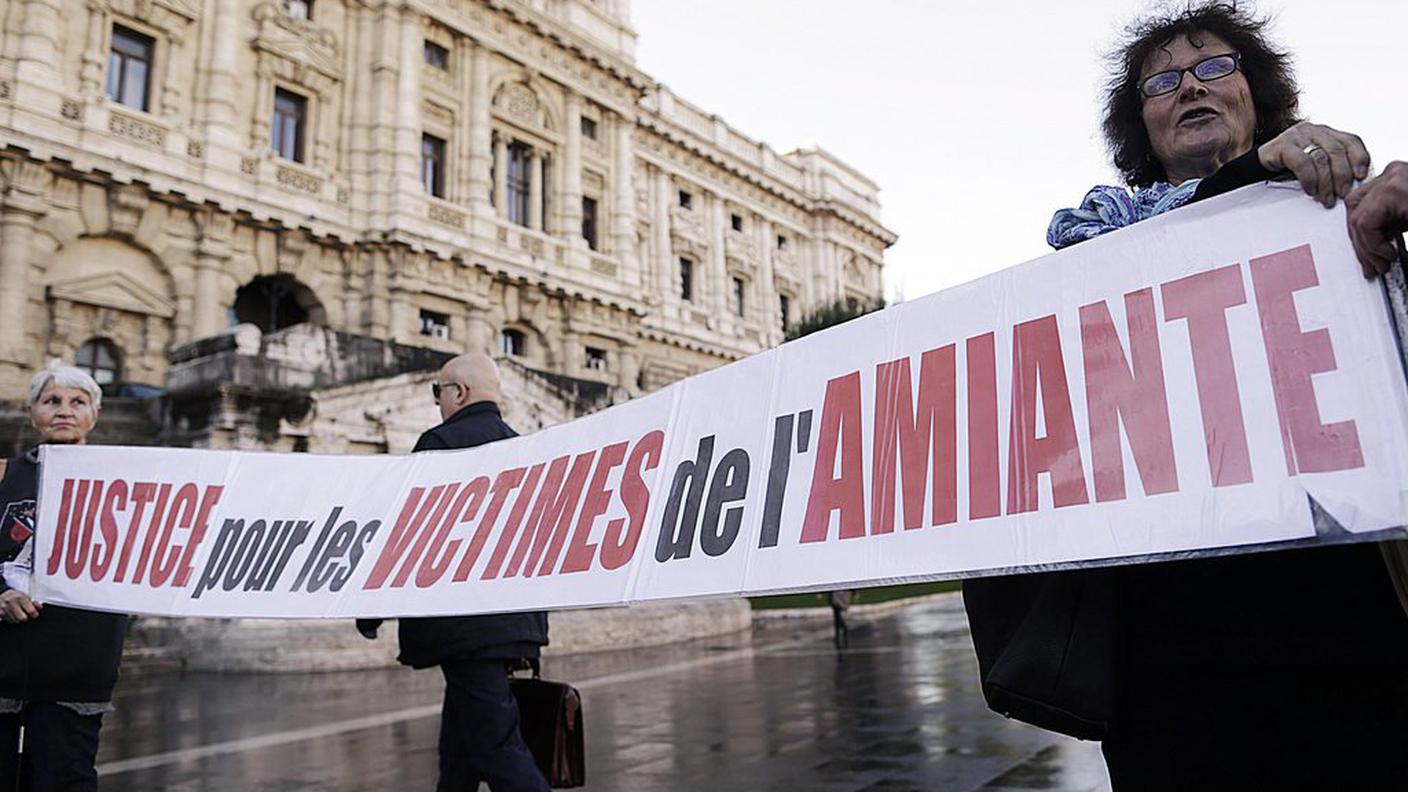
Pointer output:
57, 665
840, 603
479, 734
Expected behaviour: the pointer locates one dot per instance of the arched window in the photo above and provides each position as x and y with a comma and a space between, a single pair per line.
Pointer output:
273, 302
102, 360
512, 342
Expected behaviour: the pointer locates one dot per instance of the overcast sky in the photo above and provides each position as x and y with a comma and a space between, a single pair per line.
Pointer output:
978, 119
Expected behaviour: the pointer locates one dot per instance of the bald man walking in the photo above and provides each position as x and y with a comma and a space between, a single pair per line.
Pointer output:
479, 737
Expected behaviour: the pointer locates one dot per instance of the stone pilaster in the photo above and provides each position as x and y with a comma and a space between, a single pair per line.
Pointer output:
482, 148
571, 211
623, 217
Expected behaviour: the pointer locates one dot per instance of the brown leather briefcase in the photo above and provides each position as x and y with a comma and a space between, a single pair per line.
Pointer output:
550, 720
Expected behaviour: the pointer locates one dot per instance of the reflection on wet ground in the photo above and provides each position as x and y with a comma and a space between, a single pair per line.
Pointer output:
775, 710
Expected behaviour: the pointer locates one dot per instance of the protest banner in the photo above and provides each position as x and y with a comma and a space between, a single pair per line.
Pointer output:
1217, 379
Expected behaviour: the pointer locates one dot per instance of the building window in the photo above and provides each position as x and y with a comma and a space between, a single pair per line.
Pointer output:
130, 67
589, 222
588, 128
101, 360
512, 342
736, 220
290, 118
738, 289
596, 359
299, 9
432, 165
517, 183
435, 324
784, 306
686, 279
781, 242
437, 56
686, 200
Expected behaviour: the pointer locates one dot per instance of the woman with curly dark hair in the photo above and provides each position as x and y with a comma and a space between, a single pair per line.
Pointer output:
1283, 670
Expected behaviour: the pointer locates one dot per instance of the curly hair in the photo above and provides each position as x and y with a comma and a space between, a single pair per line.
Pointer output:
1267, 70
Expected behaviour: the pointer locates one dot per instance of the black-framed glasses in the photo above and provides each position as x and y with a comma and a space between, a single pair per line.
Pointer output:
436, 387
1206, 70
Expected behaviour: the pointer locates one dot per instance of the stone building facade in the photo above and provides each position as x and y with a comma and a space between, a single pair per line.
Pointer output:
440, 175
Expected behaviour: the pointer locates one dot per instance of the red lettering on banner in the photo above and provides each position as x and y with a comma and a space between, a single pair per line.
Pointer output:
515, 519
56, 550
143, 493
440, 554
618, 547
181, 514
984, 458
1310, 446
840, 432
80, 532
115, 501
551, 517
163, 495
1128, 389
504, 484
423, 530
1203, 300
925, 435
1037, 364
202, 524
402, 533
598, 498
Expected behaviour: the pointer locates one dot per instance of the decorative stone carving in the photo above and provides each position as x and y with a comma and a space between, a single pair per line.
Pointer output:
518, 102
71, 109
302, 44
445, 216
298, 180
133, 128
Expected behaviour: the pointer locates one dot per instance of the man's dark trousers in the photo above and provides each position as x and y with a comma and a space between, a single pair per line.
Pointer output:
58, 740
479, 737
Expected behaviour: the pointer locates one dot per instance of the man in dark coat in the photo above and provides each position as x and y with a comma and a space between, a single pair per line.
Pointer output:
479, 737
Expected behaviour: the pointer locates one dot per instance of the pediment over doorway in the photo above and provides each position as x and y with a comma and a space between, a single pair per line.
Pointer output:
113, 290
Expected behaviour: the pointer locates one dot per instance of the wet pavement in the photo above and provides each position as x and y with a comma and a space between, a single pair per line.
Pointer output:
779, 709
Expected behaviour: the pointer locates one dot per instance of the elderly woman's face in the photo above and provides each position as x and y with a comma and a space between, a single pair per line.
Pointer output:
63, 415
1201, 126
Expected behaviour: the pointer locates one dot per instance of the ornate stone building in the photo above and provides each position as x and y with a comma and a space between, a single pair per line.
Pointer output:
387, 179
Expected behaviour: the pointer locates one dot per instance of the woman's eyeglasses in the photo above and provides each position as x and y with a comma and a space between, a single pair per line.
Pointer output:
435, 388
1208, 69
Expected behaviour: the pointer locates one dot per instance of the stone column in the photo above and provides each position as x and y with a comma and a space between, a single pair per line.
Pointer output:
90, 73
408, 124
263, 108
482, 148
480, 335
39, 52
628, 369
667, 268
22, 206
767, 311
718, 263
623, 218
501, 176
571, 211
208, 317
218, 97
535, 190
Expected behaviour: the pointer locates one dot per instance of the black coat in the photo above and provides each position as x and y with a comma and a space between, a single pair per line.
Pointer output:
1067, 650
66, 654
428, 641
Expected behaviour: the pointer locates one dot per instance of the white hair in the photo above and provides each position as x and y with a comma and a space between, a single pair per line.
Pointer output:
65, 377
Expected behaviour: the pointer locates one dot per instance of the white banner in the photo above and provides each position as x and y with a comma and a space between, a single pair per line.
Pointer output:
1177, 387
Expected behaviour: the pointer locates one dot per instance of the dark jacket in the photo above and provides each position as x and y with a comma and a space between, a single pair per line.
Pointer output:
1056, 649
66, 654
428, 641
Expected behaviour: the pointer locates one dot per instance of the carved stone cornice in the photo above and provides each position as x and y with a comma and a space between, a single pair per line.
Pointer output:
171, 17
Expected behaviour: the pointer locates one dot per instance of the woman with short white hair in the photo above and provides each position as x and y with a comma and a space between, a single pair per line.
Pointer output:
57, 665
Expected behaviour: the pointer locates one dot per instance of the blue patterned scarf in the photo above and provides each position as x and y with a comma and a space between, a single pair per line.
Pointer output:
1108, 208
